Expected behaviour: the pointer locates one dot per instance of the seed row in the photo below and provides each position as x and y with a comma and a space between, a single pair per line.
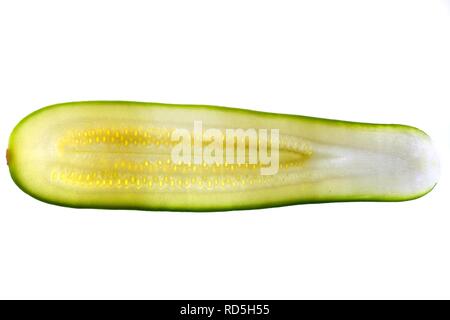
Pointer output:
159, 182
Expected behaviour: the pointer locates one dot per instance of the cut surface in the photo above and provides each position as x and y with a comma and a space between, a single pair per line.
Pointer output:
119, 155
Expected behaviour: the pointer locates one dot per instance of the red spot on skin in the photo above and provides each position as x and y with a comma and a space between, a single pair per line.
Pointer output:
7, 156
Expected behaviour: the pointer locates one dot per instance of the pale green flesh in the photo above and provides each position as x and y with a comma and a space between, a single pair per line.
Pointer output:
115, 155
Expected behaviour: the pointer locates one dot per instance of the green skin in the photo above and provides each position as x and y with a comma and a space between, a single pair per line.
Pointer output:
15, 169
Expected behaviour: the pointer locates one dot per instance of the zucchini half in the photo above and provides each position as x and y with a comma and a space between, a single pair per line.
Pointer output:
118, 155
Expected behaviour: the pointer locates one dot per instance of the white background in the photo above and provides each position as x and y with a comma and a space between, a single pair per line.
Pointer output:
374, 61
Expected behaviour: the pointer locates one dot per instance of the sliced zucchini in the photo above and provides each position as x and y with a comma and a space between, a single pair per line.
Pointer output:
119, 155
